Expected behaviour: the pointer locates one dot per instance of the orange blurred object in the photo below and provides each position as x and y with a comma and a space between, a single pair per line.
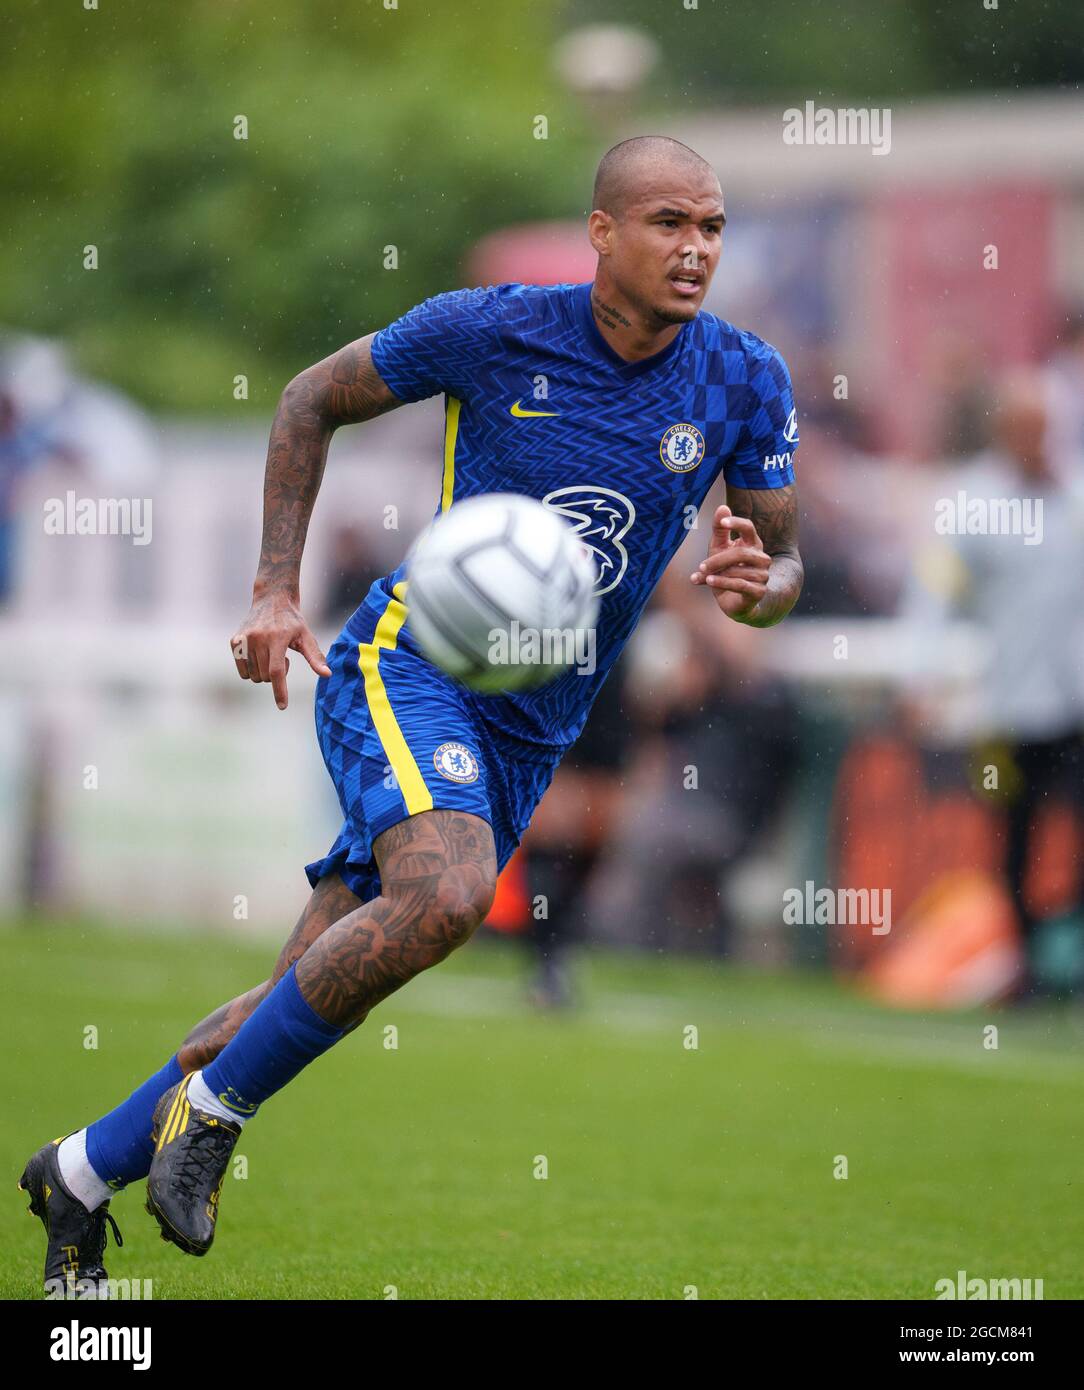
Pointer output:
958, 946
511, 904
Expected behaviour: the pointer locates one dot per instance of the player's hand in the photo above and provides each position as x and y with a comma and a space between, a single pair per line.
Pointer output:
737, 566
274, 626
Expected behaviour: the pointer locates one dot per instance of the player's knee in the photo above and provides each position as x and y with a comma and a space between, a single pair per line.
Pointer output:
454, 856
457, 912
452, 913
469, 909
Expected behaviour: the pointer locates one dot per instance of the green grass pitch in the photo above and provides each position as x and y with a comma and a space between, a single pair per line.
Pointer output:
668, 1167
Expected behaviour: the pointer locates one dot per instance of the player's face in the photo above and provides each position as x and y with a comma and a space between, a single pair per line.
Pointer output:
665, 249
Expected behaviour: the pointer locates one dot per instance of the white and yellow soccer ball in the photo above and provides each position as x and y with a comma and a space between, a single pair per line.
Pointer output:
501, 593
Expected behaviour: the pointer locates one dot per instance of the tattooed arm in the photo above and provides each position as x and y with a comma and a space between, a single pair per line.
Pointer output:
753, 567
343, 389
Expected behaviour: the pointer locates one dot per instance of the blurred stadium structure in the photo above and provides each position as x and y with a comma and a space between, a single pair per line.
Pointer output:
839, 748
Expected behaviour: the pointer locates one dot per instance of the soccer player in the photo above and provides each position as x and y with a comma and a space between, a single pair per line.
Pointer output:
617, 403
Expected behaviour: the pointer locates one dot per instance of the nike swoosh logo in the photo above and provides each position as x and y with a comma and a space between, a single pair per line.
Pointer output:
529, 414
241, 1109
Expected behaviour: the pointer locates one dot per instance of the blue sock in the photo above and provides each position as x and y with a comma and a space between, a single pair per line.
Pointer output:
119, 1145
277, 1040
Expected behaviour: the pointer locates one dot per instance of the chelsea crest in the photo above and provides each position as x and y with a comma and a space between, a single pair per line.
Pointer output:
681, 448
456, 763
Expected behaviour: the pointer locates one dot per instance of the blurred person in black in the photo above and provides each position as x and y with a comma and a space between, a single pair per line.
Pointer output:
565, 838
712, 752
1020, 585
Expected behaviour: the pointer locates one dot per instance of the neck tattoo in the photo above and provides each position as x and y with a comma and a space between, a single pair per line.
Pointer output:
607, 314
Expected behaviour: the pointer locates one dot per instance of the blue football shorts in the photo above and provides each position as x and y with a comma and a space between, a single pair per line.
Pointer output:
400, 737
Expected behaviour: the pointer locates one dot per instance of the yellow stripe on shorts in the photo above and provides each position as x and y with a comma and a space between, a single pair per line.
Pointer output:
415, 793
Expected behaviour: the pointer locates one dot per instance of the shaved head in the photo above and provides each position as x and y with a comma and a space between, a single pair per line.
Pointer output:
657, 226
625, 169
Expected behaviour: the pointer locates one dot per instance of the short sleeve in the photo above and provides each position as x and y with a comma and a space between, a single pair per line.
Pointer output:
764, 456
437, 346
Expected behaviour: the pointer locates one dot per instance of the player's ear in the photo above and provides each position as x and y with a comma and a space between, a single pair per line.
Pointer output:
600, 231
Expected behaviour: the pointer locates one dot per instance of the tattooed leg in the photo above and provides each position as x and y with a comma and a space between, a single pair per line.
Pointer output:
330, 901
438, 872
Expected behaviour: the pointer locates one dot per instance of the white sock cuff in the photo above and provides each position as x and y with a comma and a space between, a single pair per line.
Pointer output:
203, 1098
79, 1177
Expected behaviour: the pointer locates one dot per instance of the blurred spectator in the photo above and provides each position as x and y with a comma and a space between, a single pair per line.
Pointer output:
1065, 380
569, 828
853, 527
1025, 600
958, 383
818, 381
711, 759
48, 414
353, 570
31, 394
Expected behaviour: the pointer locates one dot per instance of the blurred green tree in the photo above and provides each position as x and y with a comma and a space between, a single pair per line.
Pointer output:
371, 127
367, 128
849, 51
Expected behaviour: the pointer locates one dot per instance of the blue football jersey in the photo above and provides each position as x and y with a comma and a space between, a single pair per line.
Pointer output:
538, 403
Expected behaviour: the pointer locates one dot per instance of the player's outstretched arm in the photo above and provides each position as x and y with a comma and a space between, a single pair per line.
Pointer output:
753, 566
343, 389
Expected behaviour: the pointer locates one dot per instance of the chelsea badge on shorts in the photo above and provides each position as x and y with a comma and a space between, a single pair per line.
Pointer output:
456, 763
681, 448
